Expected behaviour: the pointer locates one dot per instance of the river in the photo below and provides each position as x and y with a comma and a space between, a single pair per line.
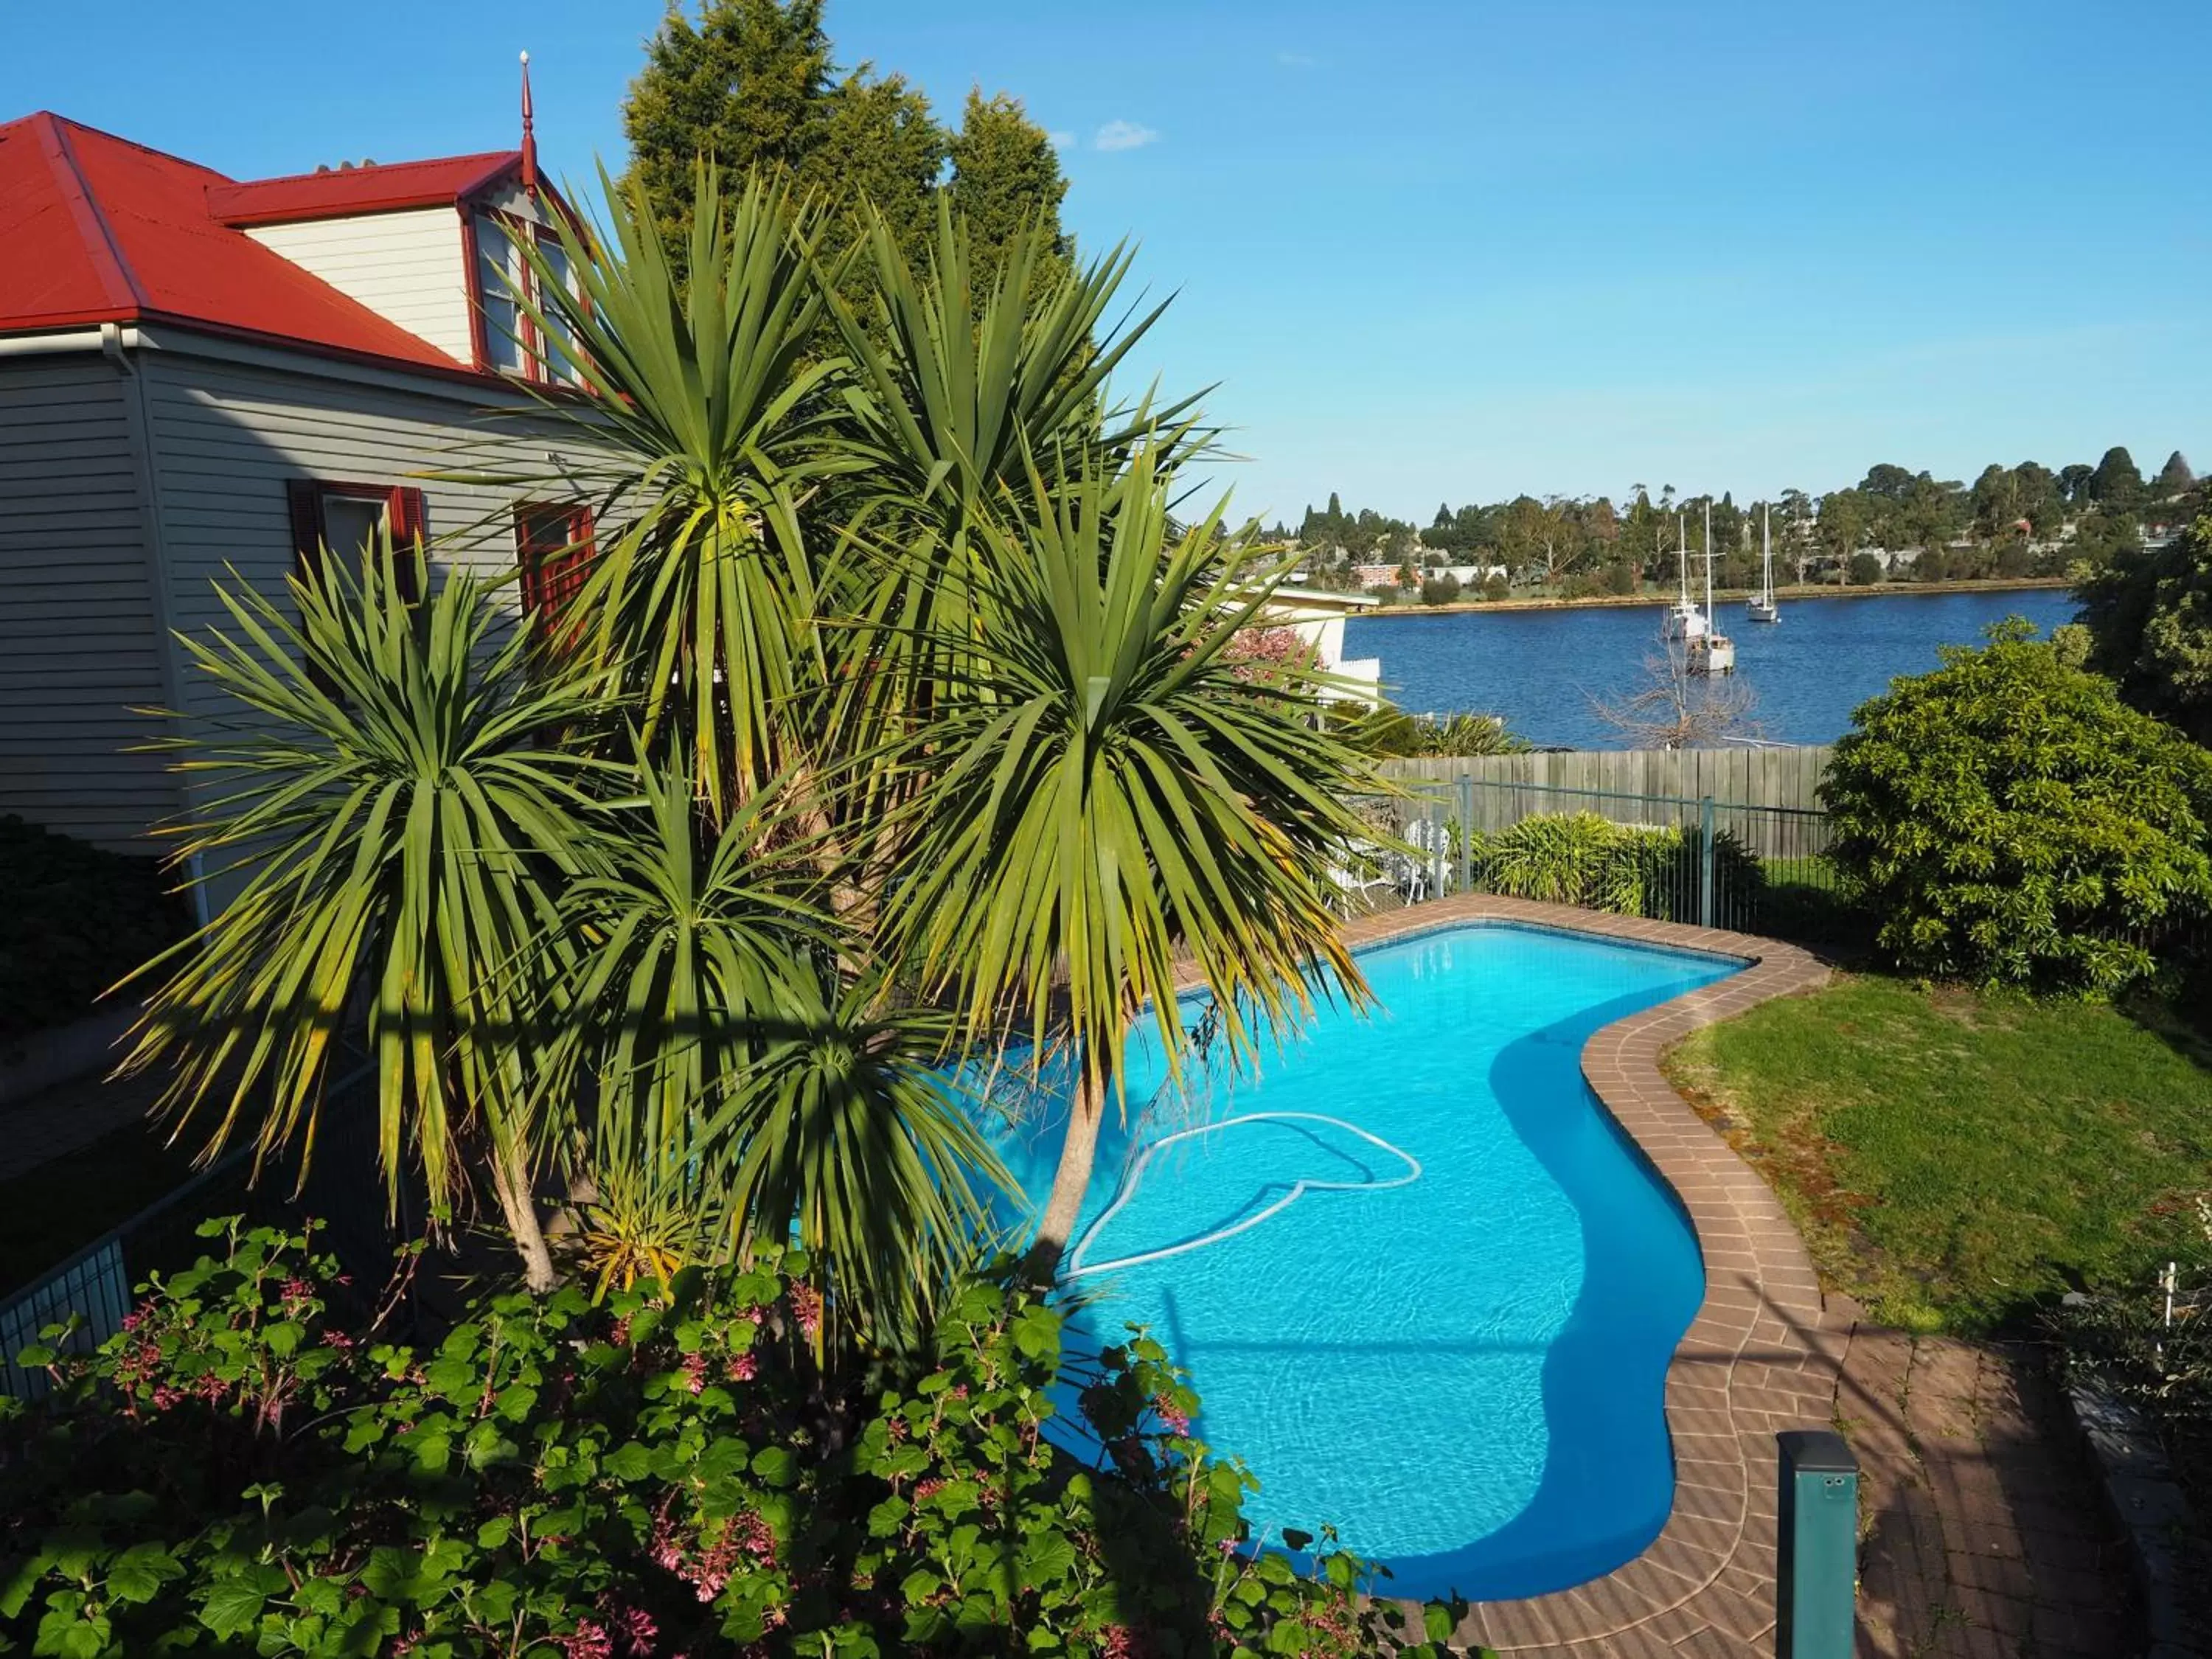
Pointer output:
1540, 669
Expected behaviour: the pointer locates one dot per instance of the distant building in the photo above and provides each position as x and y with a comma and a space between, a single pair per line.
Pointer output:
1316, 616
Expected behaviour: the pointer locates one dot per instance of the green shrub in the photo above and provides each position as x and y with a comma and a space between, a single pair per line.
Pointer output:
2148, 613
2007, 819
1564, 857
1634, 870
665, 1473
1670, 875
74, 919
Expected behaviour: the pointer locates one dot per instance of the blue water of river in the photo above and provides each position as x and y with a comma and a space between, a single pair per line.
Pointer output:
1540, 669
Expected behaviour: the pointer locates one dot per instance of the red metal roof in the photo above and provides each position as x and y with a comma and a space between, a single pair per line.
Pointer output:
370, 188
98, 229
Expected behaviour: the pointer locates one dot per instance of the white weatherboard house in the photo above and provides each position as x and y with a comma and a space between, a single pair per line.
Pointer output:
1316, 616
198, 372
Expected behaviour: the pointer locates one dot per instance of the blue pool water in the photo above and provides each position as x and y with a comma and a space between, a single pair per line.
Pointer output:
1451, 1343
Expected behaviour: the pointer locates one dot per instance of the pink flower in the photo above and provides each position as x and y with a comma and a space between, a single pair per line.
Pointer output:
695, 1371
591, 1641
636, 1628
752, 1534
743, 1367
806, 1304
1171, 1416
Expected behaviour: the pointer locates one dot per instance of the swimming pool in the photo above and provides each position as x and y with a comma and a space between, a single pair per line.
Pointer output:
1424, 1287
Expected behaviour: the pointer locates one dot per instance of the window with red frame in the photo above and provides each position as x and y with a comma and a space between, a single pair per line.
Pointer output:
346, 520
510, 341
554, 546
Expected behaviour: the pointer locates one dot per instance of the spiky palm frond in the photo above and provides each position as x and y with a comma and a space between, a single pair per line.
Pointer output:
970, 390
397, 835
1109, 786
849, 1137
687, 937
702, 439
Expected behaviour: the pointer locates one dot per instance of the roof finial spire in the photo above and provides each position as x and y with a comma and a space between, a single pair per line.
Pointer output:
529, 134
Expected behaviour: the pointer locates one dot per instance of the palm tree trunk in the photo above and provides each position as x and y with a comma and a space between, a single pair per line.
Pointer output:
510, 1180
1070, 1181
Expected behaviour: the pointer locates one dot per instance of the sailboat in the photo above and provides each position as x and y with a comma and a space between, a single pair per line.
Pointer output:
1684, 621
1762, 604
1711, 651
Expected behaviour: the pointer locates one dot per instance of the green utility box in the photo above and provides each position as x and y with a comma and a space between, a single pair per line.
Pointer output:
1818, 1525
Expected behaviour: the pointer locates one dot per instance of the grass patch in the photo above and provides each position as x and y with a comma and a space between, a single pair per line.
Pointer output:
1953, 1158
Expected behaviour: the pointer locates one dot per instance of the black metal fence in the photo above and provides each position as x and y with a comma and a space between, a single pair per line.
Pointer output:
1732, 865
94, 1284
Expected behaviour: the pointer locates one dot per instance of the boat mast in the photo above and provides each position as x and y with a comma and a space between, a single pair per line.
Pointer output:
1682, 560
1766, 557
1709, 555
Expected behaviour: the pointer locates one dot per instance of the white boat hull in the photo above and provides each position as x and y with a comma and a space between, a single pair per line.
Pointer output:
1714, 653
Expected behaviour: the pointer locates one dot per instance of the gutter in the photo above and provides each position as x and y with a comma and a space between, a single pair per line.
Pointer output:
110, 337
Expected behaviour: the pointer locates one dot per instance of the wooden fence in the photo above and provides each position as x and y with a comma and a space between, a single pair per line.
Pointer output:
1746, 777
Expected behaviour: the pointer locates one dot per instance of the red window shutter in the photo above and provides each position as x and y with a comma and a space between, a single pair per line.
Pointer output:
555, 548
403, 518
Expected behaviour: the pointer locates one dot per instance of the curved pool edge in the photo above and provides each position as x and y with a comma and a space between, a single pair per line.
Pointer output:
1760, 1355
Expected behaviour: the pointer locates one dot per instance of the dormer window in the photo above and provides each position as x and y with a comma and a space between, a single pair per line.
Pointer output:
513, 344
500, 273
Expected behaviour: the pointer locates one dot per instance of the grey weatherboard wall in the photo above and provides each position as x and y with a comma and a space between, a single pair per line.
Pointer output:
177, 462
81, 635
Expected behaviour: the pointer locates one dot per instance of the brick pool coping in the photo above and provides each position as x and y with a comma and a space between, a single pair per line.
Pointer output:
1758, 1357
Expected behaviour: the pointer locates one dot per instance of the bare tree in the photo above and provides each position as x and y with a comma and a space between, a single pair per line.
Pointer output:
1671, 708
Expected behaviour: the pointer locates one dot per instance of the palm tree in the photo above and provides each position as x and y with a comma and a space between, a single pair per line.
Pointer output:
400, 833
707, 423
748, 1094
1113, 798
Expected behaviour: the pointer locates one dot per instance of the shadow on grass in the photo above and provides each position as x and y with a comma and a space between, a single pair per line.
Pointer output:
2181, 1016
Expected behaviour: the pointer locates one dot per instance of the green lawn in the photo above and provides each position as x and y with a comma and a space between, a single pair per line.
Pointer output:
1952, 1158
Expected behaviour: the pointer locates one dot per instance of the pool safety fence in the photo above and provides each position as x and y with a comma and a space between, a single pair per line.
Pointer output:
94, 1286
1699, 859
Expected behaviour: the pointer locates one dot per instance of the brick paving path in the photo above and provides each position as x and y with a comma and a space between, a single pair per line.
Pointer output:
1984, 1534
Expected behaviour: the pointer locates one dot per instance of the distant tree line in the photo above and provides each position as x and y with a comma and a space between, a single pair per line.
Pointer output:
1895, 524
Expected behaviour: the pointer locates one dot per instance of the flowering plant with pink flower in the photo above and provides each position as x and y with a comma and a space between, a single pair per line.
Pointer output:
669, 1472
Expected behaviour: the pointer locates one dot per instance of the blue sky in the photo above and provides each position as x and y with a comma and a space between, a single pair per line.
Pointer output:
1446, 250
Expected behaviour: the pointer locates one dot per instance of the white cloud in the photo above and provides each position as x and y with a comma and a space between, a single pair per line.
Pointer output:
1062, 140
1124, 134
